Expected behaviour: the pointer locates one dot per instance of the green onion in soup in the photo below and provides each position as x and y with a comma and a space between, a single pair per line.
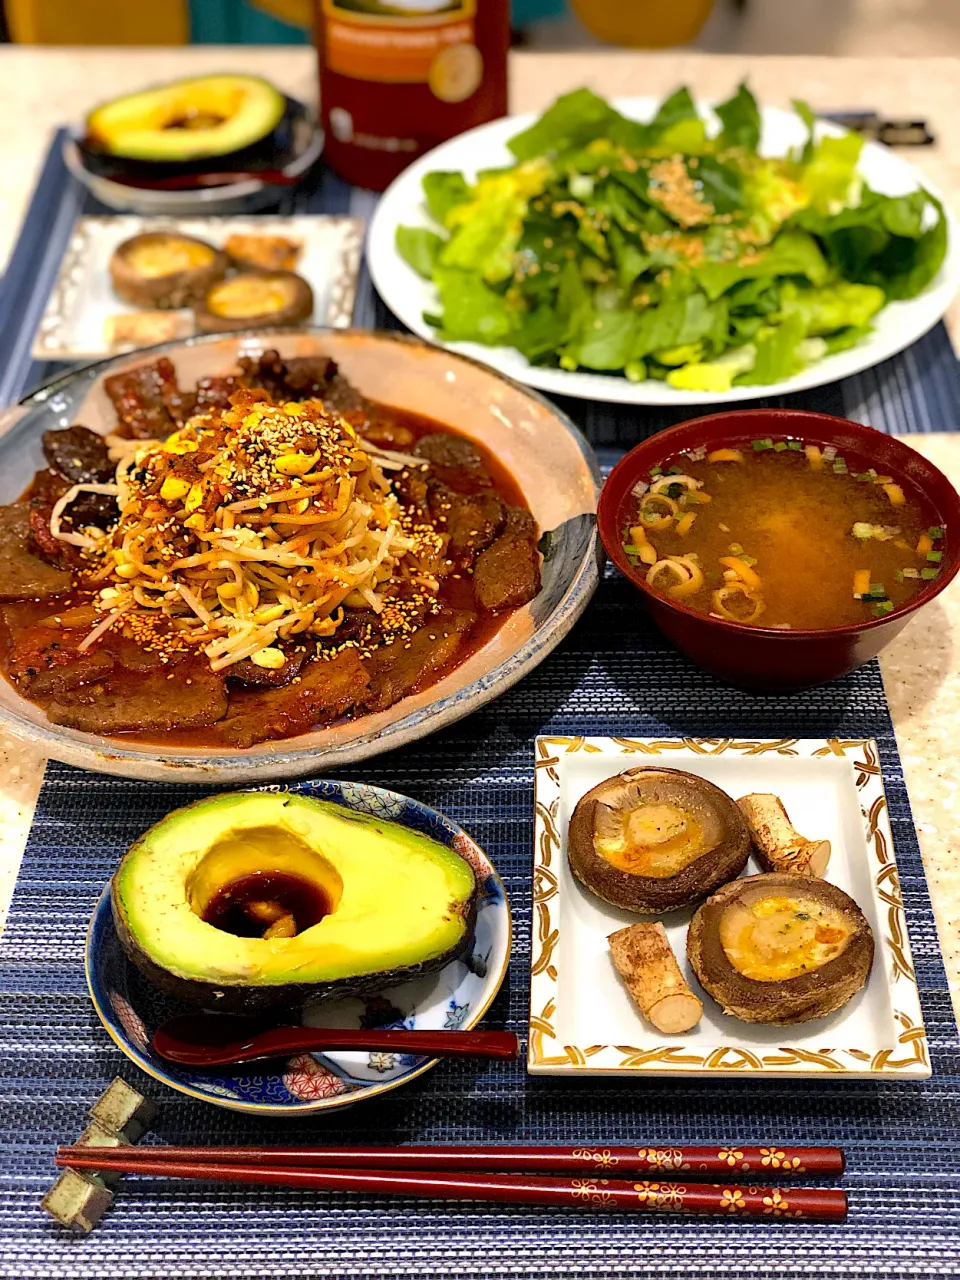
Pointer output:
782, 534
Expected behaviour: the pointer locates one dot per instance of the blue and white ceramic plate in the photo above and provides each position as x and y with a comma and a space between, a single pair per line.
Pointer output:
457, 997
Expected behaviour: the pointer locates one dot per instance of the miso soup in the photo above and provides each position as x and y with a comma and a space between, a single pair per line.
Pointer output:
781, 534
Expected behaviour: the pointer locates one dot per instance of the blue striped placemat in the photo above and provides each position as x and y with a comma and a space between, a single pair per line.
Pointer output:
613, 675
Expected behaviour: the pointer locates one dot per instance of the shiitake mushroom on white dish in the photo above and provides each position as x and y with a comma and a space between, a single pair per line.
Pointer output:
780, 948
255, 299
164, 269
651, 839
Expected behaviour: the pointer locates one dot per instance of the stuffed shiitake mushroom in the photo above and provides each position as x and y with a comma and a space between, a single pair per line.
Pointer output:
652, 840
255, 298
780, 949
164, 269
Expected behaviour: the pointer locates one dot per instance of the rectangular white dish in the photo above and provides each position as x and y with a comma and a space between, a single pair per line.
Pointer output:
82, 299
582, 1019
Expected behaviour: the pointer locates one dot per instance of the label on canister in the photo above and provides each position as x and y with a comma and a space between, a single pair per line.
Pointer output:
430, 42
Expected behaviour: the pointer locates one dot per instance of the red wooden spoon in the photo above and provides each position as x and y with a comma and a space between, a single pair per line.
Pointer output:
192, 181
218, 1040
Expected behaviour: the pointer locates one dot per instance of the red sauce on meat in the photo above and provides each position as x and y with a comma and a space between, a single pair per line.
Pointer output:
134, 668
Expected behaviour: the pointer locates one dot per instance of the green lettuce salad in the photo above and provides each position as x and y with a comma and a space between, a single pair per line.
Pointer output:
659, 251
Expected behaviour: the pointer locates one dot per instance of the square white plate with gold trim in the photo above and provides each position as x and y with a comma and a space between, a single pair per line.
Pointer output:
581, 1018
82, 300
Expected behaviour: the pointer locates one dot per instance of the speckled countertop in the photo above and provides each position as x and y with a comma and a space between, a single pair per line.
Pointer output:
921, 673
42, 88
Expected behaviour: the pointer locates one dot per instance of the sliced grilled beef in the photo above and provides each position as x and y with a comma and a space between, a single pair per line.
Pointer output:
248, 674
215, 393
454, 461
24, 575
44, 661
472, 521
507, 573
148, 401
79, 455
397, 668
325, 691
190, 696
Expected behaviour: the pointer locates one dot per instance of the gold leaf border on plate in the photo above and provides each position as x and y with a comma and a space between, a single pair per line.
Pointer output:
54, 339
908, 1056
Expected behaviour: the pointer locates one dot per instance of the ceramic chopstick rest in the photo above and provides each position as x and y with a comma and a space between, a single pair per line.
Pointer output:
123, 1111
119, 1117
77, 1201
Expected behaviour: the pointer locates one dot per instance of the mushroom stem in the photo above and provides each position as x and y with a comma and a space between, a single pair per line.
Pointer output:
645, 961
778, 845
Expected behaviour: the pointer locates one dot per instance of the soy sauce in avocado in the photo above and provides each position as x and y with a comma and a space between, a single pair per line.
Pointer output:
267, 904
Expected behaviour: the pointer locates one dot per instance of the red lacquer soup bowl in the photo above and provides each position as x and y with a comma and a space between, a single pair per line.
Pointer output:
765, 657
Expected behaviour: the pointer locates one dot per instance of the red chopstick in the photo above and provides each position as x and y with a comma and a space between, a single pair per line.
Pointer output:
691, 1163
825, 1204
197, 181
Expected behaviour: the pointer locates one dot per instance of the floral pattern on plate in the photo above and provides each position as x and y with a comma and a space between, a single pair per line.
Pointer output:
382, 804
308, 1079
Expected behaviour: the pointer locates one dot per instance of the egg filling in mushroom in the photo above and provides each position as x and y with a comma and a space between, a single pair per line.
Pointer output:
779, 937
649, 840
162, 255
250, 295
772, 948
165, 269
262, 297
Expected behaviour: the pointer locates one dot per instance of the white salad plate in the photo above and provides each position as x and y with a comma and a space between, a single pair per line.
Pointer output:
82, 299
408, 295
582, 1020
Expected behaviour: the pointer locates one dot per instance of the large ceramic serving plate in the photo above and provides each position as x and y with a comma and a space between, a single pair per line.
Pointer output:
456, 998
408, 296
582, 1020
542, 449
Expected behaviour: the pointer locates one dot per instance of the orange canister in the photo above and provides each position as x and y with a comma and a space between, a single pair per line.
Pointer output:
397, 78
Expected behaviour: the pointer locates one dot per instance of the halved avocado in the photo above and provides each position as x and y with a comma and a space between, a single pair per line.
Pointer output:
165, 269
187, 119
776, 948
652, 839
255, 298
254, 900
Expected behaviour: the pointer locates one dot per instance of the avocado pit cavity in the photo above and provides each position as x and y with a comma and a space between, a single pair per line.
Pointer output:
263, 882
267, 904
194, 119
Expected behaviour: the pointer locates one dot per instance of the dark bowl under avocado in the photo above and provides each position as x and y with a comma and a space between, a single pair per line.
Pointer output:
683, 810
255, 151
259, 900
